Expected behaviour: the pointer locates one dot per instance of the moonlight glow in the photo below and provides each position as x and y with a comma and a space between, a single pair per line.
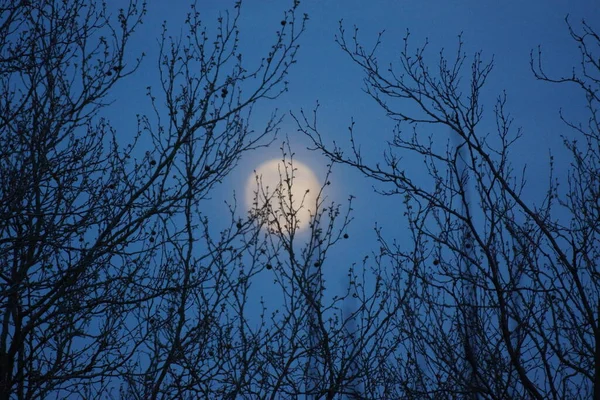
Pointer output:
272, 188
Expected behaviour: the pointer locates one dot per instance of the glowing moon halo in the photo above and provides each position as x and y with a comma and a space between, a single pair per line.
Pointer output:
273, 188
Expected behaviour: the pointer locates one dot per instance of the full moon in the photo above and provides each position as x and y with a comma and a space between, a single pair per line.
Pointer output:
269, 185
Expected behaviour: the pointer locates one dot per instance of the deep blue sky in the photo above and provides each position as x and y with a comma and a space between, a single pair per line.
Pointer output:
507, 30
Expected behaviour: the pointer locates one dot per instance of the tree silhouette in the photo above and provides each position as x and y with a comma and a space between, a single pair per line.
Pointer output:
117, 282
114, 280
112, 283
506, 295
